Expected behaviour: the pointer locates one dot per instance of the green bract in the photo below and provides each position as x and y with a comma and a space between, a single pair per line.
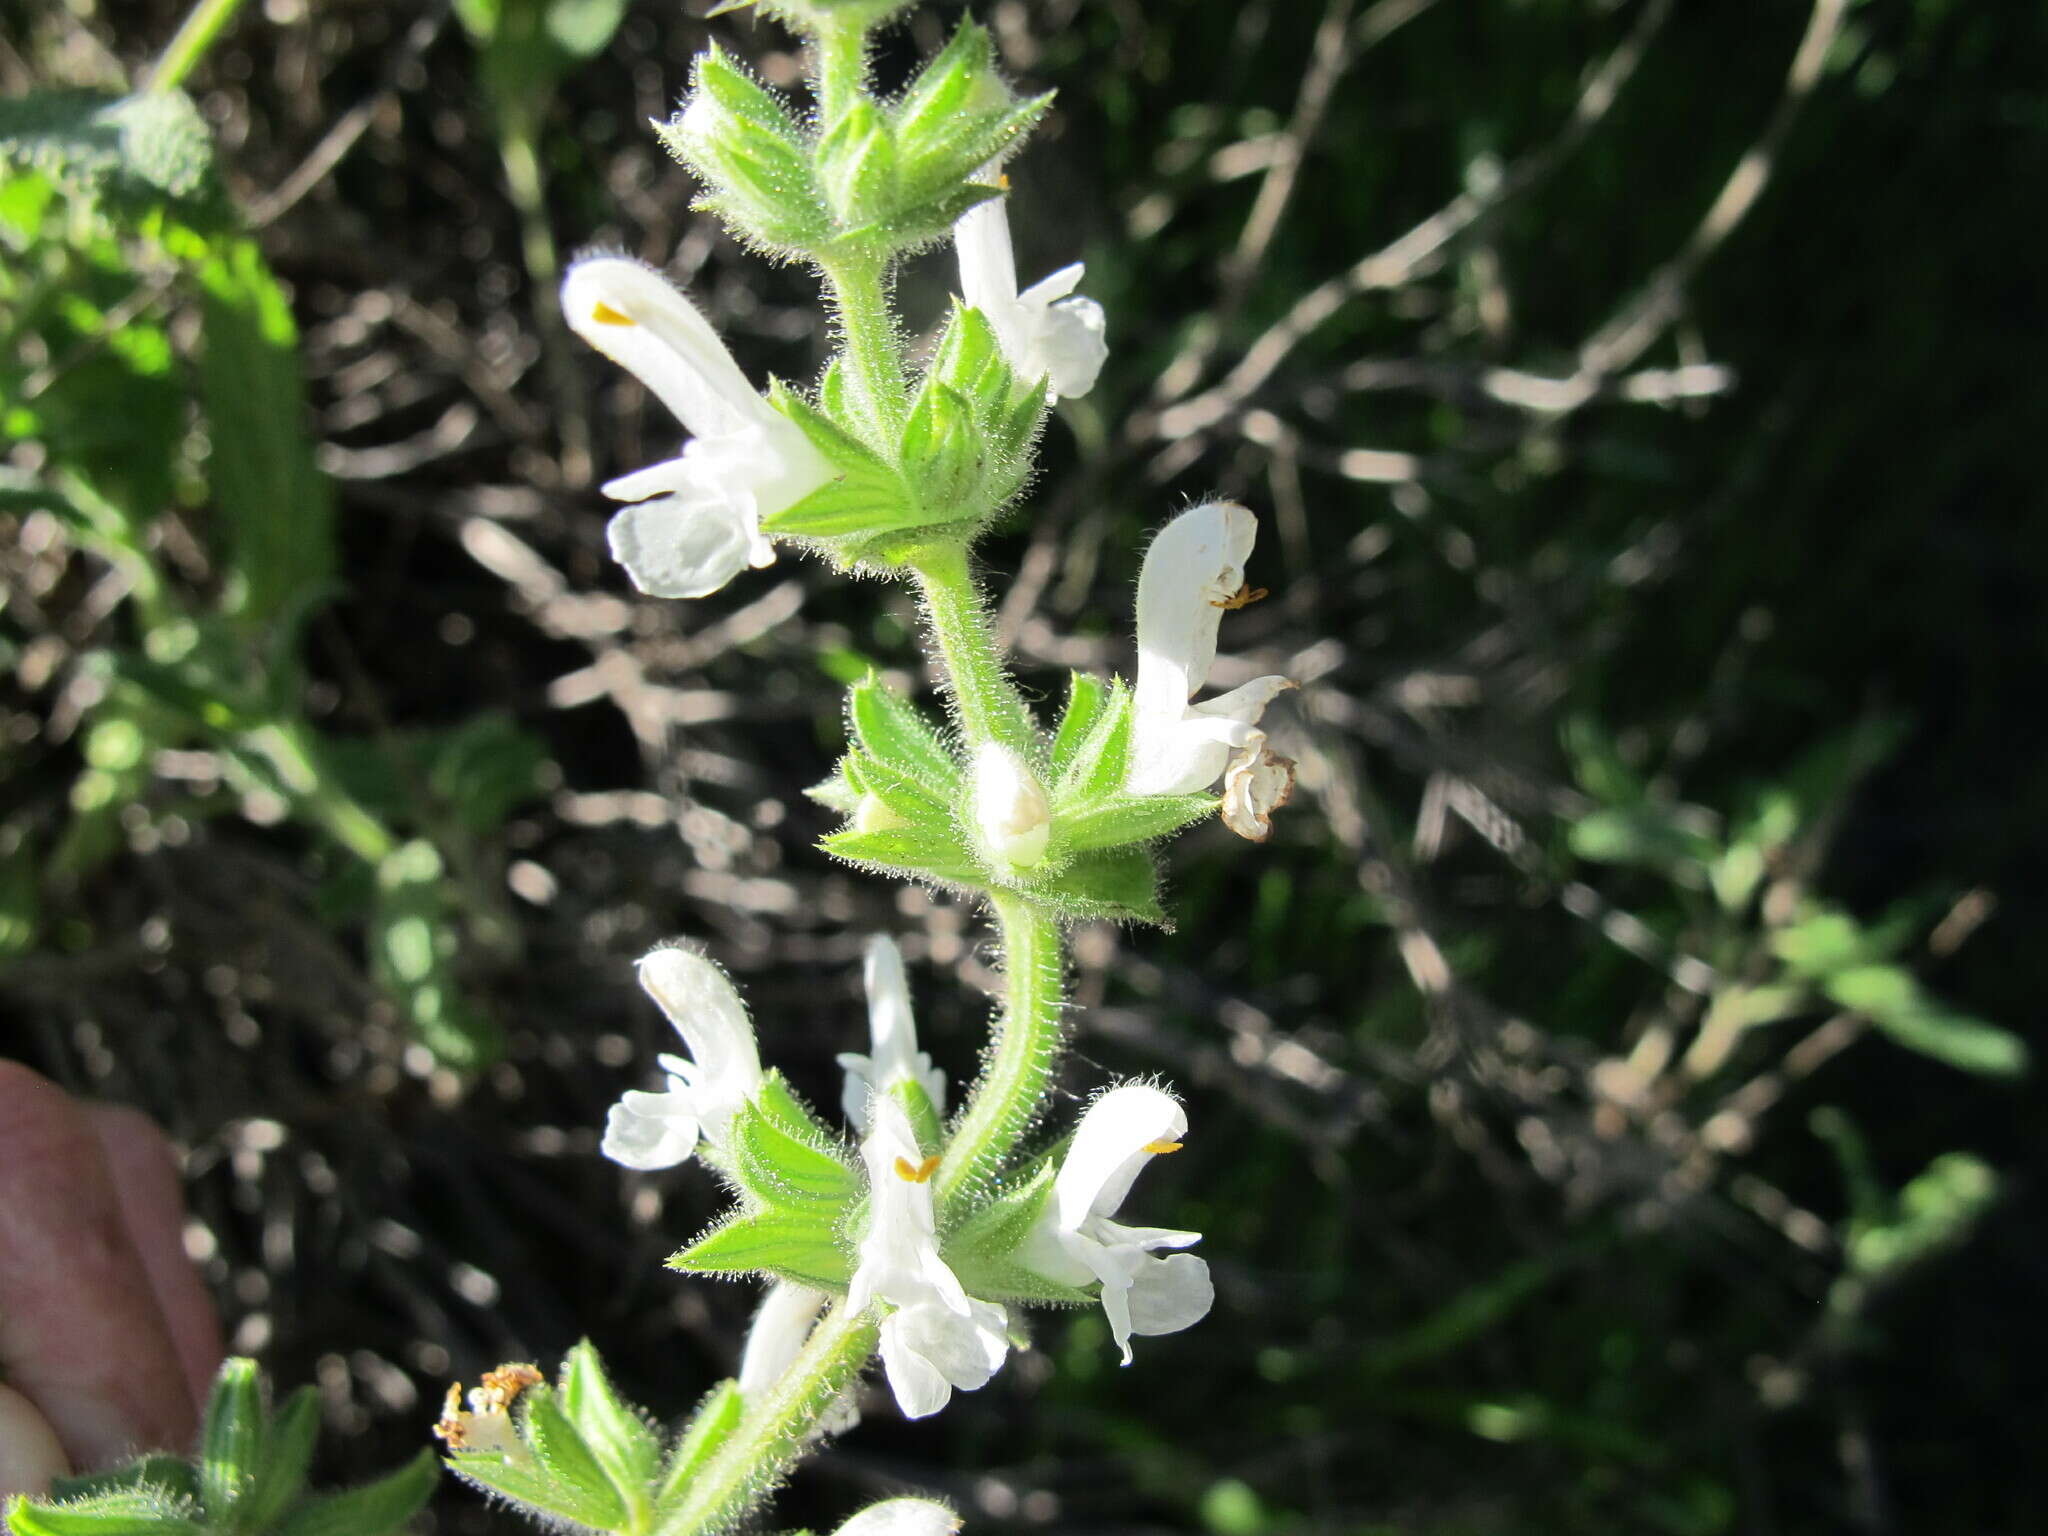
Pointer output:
249, 1479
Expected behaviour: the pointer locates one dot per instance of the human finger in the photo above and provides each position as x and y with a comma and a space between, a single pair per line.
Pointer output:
81, 1335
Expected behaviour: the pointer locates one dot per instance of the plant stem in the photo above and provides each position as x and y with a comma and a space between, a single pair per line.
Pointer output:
201, 28
519, 150
1026, 1049
292, 759
860, 299
770, 1433
984, 699
842, 54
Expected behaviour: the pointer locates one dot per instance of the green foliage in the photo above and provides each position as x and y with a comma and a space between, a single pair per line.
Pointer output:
249, 1479
132, 154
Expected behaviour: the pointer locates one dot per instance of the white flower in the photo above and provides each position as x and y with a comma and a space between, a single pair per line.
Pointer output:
1193, 572
892, 1032
696, 522
1043, 332
1009, 808
902, 1517
936, 1337
659, 1130
781, 1324
1075, 1241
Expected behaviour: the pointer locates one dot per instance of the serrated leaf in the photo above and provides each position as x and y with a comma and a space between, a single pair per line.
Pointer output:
782, 1242
1097, 768
1121, 883
282, 1463
583, 1490
1128, 819
892, 731
625, 1445
916, 851
375, 1509
232, 1438
709, 1428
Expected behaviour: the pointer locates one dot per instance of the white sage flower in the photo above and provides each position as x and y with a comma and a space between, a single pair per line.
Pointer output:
659, 1130
781, 1324
902, 1517
935, 1337
892, 1031
1047, 331
1075, 1242
1010, 808
1192, 573
695, 522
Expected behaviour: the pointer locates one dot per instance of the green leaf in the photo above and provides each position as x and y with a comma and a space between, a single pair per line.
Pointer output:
797, 1246
171, 1476
1097, 768
941, 450
374, 1509
584, 1491
953, 82
584, 28
892, 731
948, 154
413, 941
283, 1462
783, 1169
119, 1514
911, 800
1646, 834
925, 1123
277, 509
709, 1428
520, 1482
134, 152
1820, 944
623, 1442
1119, 883
1087, 695
919, 852
1894, 1002
856, 162
1936, 1209
1128, 819
232, 1439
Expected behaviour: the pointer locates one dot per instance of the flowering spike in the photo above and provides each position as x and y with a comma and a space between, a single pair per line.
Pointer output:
696, 518
1075, 1241
658, 1130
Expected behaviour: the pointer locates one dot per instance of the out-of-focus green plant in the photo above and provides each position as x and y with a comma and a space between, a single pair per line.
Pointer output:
149, 375
524, 49
248, 1479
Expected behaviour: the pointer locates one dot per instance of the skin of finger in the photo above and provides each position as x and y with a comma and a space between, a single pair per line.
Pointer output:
29, 1453
80, 1333
152, 1204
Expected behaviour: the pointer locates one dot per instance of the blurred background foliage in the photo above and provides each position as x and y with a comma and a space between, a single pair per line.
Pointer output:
1610, 1088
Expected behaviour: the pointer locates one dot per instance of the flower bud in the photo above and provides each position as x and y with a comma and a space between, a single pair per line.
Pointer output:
1010, 809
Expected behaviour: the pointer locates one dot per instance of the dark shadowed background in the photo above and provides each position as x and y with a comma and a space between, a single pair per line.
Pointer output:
1602, 1116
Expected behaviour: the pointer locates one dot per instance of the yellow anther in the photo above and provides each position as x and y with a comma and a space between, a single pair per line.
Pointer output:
1161, 1148
604, 314
1003, 181
916, 1173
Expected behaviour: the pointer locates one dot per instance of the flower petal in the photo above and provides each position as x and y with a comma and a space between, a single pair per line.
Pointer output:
637, 318
963, 1351
1073, 344
1170, 1294
712, 1020
902, 1517
781, 1324
1118, 1135
1255, 785
988, 262
676, 548
644, 1141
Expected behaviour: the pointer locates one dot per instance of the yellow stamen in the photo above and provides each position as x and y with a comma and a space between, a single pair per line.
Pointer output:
1003, 181
916, 1173
1161, 1148
604, 314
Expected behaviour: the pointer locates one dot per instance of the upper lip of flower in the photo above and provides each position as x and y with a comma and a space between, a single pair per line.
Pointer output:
892, 1031
1191, 571
704, 1091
